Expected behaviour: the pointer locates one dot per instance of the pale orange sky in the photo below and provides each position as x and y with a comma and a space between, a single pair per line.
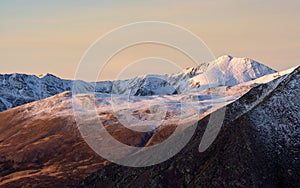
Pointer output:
51, 36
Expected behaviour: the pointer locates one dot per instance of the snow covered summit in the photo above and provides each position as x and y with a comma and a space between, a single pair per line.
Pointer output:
229, 71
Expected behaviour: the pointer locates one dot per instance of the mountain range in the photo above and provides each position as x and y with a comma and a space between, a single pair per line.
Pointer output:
258, 144
18, 89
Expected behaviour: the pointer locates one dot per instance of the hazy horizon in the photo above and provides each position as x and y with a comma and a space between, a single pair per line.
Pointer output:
51, 36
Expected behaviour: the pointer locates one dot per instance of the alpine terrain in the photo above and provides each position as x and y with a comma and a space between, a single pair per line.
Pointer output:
258, 145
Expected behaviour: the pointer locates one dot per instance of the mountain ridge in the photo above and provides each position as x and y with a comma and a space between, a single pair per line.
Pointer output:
17, 89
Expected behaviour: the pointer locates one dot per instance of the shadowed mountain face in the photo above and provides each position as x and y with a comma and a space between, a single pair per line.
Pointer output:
259, 144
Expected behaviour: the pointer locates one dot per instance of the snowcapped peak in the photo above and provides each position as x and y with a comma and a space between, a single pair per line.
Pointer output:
245, 63
228, 62
229, 71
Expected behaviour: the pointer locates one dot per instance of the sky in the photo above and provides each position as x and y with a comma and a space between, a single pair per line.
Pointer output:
37, 37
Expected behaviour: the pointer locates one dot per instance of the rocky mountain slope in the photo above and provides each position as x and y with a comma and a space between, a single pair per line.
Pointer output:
40, 145
258, 146
18, 89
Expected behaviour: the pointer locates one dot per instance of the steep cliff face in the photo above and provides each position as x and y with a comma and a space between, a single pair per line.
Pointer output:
258, 146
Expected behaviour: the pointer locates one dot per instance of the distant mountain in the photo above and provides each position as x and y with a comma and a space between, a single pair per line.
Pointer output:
18, 89
41, 146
